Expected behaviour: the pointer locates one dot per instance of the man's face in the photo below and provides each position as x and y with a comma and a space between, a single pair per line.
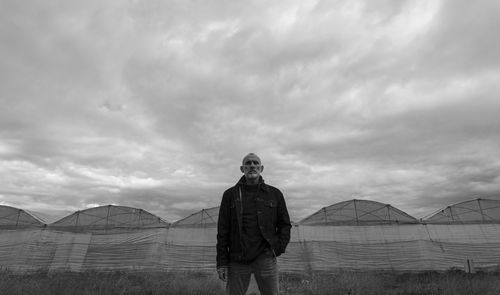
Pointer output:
251, 168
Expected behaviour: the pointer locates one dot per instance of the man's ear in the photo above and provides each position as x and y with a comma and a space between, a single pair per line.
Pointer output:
261, 169
241, 169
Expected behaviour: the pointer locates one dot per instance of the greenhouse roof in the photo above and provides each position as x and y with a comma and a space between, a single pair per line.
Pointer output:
11, 217
110, 216
358, 212
471, 211
204, 218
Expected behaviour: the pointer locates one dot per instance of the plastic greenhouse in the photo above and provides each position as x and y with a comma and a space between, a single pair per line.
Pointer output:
204, 218
471, 211
358, 212
109, 217
11, 217
353, 234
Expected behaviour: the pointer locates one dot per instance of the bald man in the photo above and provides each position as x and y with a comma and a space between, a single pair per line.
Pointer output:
253, 229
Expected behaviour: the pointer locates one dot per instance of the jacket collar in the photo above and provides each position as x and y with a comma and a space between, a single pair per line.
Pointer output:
261, 183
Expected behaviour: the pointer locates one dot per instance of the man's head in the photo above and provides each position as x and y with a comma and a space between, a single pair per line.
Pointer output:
251, 167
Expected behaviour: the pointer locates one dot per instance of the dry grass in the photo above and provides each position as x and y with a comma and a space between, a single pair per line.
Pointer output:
109, 283
391, 283
316, 283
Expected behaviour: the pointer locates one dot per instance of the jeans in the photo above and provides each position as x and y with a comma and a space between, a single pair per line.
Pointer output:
265, 270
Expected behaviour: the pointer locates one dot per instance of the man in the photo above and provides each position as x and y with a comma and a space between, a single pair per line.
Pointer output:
253, 229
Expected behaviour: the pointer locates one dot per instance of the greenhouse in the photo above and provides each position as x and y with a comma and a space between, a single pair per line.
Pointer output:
353, 234
358, 212
203, 218
11, 217
471, 211
109, 217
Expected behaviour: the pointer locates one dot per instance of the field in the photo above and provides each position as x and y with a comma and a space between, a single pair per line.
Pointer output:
453, 282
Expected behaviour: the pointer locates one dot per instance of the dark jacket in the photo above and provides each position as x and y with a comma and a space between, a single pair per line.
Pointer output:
273, 220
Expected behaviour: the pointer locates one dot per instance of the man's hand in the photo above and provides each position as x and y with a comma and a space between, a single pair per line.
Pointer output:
222, 272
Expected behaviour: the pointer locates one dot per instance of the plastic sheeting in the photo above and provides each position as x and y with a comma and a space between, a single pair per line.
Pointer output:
377, 247
42, 249
11, 217
204, 218
358, 212
472, 211
108, 217
416, 247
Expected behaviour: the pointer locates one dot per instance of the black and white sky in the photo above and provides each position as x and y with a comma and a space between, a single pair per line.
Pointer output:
152, 104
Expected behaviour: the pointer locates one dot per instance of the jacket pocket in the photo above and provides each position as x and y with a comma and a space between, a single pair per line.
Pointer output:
271, 203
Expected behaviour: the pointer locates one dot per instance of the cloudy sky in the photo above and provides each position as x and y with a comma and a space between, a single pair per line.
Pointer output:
152, 104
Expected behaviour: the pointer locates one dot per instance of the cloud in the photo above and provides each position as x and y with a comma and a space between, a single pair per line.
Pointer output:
152, 104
